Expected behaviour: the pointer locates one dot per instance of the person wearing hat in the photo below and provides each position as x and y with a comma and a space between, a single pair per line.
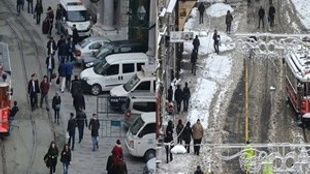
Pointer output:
198, 170
197, 131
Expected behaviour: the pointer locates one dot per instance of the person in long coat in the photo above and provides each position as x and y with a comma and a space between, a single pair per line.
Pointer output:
170, 94
79, 101
178, 97
194, 57
201, 9
261, 15
38, 9
187, 136
197, 130
186, 96
117, 153
52, 155
33, 90
229, 19
179, 129
66, 158
56, 103
169, 139
76, 86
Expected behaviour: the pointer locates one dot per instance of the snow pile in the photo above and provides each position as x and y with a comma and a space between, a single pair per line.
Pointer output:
177, 149
302, 8
218, 10
211, 1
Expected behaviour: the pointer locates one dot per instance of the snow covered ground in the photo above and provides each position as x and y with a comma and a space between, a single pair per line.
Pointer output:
302, 7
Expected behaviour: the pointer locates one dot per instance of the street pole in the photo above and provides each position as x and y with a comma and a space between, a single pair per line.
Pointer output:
246, 100
158, 74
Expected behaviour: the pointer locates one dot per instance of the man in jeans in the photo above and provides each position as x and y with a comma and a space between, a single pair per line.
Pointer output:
81, 119
71, 130
30, 6
44, 88
94, 126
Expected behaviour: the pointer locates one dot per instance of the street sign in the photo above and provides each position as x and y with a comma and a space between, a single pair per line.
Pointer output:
181, 36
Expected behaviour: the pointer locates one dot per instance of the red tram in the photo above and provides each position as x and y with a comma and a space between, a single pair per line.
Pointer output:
298, 82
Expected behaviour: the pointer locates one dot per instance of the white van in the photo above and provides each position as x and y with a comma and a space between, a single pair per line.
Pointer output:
141, 138
74, 12
114, 70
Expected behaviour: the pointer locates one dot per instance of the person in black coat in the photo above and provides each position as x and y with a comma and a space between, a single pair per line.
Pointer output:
216, 43
201, 9
196, 43
52, 155
178, 96
198, 170
169, 139
170, 94
271, 12
56, 103
110, 167
186, 96
94, 126
51, 46
76, 86
194, 57
261, 15
187, 134
71, 130
33, 90
81, 119
66, 157
38, 9
75, 34
79, 101
50, 66
179, 130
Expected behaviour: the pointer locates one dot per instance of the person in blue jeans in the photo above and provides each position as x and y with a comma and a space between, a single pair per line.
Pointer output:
81, 119
66, 158
69, 71
94, 126
56, 103
30, 6
19, 4
13, 112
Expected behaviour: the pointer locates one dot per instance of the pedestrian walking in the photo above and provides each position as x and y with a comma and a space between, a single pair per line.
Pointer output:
261, 15
12, 114
56, 104
30, 6
187, 135
179, 130
170, 94
121, 168
94, 126
201, 9
66, 158
110, 167
51, 46
51, 157
44, 88
186, 96
81, 119
23, 3
50, 18
194, 57
50, 66
69, 70
70, 48
271, 13
71, 130
197, 131
58, 17
62, 49
229, 19
62, 76
198, 170
117, 153
38, 9
178, 97
79, 102
75, 34
33, 90
216, 42
169, 141
19, 6
76, 86
196, 43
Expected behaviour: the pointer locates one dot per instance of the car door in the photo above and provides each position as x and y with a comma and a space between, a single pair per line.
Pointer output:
128, 70
144, 86
146, 138
111, 77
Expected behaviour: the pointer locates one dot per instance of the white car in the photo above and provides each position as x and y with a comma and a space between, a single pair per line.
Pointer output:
150, 166
90, 45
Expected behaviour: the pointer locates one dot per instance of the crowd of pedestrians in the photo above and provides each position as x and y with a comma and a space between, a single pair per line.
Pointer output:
179, 97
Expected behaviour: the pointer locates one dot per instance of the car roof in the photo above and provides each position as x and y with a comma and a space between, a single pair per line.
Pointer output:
76, 5
148, 117
127, 58
96, 38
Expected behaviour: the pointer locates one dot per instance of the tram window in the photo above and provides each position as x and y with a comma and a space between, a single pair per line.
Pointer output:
306, 89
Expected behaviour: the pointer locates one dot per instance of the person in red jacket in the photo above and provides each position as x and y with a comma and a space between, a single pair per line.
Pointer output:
117, 152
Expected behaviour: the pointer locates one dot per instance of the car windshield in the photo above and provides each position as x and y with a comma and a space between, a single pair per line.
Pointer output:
102, 53
134, 129
77, 16
131, 83
101, 67
84, 42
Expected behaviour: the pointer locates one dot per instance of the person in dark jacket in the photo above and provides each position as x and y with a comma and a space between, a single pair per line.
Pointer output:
50, 19
38, 10
44, 88
186, 96
178, 96
216, 42
194, 57
198, 170
261, 15
121, 168
52, 155
50, 66
94, 127
58, 17
71, 49
56, 103
81, 119
170, 94
62, 76
79, 101
51, 46
201, 9
110, 166
62, 49
33, 90
30, 6
75, 34
229, 19
12, 114
76, 86
65, 158
69, 70
179, 130
271, 12
196, 43
19, 4
187, 134
169, 140
71, 130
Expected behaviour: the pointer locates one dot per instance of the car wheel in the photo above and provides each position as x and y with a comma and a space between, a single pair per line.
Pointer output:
95, 89
149, 154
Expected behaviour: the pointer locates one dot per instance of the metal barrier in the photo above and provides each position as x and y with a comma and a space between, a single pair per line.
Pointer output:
104, 107
112, 128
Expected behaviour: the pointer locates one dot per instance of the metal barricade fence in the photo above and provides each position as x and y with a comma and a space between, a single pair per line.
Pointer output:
104, 107
112, 128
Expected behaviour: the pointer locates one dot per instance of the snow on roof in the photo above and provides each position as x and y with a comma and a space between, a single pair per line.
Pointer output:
299, 62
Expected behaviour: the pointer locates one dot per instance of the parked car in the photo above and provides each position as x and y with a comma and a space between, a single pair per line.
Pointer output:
140, 138
144, 81
90, 45
150, 166
114, 70
124, 46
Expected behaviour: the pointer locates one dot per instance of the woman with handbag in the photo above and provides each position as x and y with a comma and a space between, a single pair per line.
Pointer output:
65, 158
56, 106
52, 155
